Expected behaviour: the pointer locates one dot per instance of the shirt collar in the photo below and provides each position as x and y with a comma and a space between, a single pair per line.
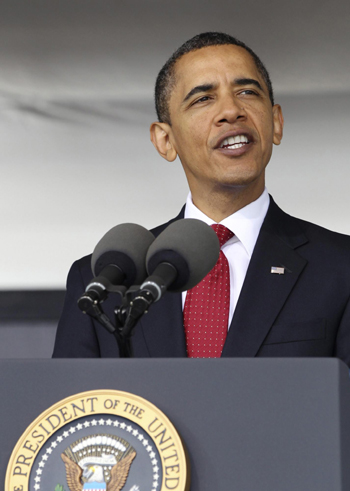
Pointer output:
245, 223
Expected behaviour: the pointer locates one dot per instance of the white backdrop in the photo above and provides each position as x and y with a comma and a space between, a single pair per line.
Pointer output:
76, 84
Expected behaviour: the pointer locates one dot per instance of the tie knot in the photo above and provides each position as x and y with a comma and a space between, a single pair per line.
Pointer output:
223, 233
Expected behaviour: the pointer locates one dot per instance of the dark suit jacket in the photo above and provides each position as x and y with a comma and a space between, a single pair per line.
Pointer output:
304, 312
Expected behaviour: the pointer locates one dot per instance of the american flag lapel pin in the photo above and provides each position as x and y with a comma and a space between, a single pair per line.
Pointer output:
277, 270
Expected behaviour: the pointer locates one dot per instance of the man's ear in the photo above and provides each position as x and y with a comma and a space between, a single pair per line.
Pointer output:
161, 137
278, 123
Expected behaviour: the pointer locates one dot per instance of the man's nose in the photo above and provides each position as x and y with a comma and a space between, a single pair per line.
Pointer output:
229, 110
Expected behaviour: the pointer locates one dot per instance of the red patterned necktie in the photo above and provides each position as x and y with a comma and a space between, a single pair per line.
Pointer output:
207, 307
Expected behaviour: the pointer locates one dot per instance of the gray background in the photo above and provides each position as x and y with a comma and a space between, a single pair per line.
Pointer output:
76, 85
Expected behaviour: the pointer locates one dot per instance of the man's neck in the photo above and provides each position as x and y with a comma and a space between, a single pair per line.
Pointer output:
219, 205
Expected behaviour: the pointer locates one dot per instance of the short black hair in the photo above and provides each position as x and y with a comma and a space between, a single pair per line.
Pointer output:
166, 78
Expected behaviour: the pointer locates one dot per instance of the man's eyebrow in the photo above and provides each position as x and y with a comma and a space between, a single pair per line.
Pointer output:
197, 89
237, 81
248, 81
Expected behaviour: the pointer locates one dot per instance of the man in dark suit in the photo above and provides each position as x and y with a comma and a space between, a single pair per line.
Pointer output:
290, 280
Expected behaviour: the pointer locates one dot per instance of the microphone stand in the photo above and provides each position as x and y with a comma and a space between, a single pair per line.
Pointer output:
126, 315
122, 335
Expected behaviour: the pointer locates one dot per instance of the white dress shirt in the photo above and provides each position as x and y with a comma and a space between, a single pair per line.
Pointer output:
245, 224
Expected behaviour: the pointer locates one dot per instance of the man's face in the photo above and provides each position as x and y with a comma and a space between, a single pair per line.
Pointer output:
223, 125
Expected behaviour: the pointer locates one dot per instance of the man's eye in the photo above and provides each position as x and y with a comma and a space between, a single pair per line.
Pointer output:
202, 99
248, 92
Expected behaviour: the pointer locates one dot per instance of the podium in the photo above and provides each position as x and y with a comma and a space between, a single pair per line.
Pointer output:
248, 424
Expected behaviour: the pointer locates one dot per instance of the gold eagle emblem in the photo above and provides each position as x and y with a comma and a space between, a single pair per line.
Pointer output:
94, 473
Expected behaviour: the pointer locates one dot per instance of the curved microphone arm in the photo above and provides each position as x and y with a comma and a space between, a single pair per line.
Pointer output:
90, 304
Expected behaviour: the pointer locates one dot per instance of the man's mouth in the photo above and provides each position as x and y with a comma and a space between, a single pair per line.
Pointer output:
233, 142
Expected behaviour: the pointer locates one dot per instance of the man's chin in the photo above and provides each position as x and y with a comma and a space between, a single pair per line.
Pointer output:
239, 181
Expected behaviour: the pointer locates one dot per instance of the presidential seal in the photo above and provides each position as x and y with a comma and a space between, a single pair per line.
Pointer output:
99, 440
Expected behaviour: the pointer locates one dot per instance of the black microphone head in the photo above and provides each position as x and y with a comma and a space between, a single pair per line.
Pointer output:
191, 246
125, 246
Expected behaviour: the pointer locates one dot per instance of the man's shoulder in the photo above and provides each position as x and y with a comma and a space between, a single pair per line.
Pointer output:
160, 228
322, 233
294, 227
80, 270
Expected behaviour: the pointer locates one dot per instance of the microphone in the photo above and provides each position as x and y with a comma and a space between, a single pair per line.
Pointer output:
118, 260
178, 259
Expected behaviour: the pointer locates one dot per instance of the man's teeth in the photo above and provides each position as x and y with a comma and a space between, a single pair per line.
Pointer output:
234, 141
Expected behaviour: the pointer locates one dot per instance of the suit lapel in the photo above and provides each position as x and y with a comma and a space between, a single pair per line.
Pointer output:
264, 294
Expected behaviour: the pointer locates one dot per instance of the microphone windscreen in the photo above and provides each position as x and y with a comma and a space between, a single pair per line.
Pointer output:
125, 246
191, 246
